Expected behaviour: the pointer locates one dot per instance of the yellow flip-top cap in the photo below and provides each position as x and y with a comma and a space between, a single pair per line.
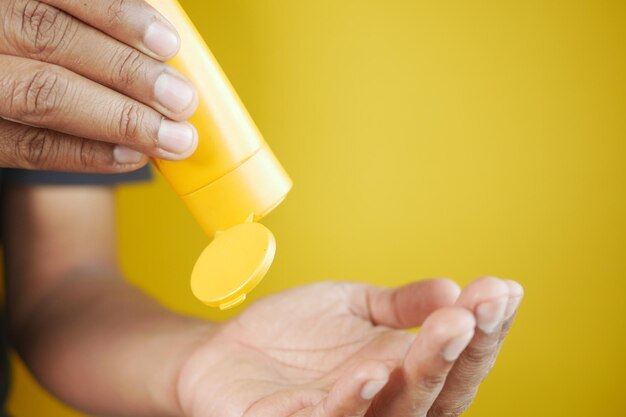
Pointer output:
232, 265
254, 187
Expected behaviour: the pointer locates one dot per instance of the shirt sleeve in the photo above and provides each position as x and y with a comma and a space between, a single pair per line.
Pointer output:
26, 177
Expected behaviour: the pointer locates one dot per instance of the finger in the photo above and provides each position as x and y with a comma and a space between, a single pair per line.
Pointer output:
48, 96
133, 22
42, 32
487, 298
408, 306
413, 387
352, 394
33, 148
516, 294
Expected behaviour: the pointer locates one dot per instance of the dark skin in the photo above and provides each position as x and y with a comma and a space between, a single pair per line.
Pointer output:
328, 349
86, 88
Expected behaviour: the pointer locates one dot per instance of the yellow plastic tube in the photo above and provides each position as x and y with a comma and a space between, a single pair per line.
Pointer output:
233, 178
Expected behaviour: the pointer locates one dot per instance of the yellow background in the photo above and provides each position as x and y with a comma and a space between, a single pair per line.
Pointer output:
425, 139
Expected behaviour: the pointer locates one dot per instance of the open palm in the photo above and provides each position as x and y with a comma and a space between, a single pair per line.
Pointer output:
338, 349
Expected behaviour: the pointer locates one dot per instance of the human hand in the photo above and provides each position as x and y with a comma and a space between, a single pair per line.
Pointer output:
84, 86
338, 349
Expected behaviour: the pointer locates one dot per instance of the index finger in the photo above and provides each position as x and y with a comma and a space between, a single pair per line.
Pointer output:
133, 22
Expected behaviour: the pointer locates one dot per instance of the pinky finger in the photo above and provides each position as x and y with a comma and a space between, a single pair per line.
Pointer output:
353, 393
28, 147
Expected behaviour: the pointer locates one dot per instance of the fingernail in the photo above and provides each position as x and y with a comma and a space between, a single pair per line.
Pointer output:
173, 93
490, 314
371, 388
456, 346
126, 156
176, 138
161, 40
516, 293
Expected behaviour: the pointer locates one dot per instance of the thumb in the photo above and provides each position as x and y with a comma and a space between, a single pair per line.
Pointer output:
408, 306
29, 147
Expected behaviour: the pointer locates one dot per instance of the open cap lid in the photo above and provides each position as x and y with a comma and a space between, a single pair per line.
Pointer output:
233, 264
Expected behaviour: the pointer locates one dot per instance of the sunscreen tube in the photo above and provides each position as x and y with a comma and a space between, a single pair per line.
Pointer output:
231, 181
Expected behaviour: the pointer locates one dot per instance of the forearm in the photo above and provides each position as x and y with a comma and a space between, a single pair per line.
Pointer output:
104, 347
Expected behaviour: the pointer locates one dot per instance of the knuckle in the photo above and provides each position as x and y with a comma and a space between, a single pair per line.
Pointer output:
39, 95
128, 68
115, 12
43, 28
86, 154
432, 383
476, 357
35, 148
129, 122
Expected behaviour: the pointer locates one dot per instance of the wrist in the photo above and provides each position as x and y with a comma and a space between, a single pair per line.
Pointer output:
164, 387
201, 372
